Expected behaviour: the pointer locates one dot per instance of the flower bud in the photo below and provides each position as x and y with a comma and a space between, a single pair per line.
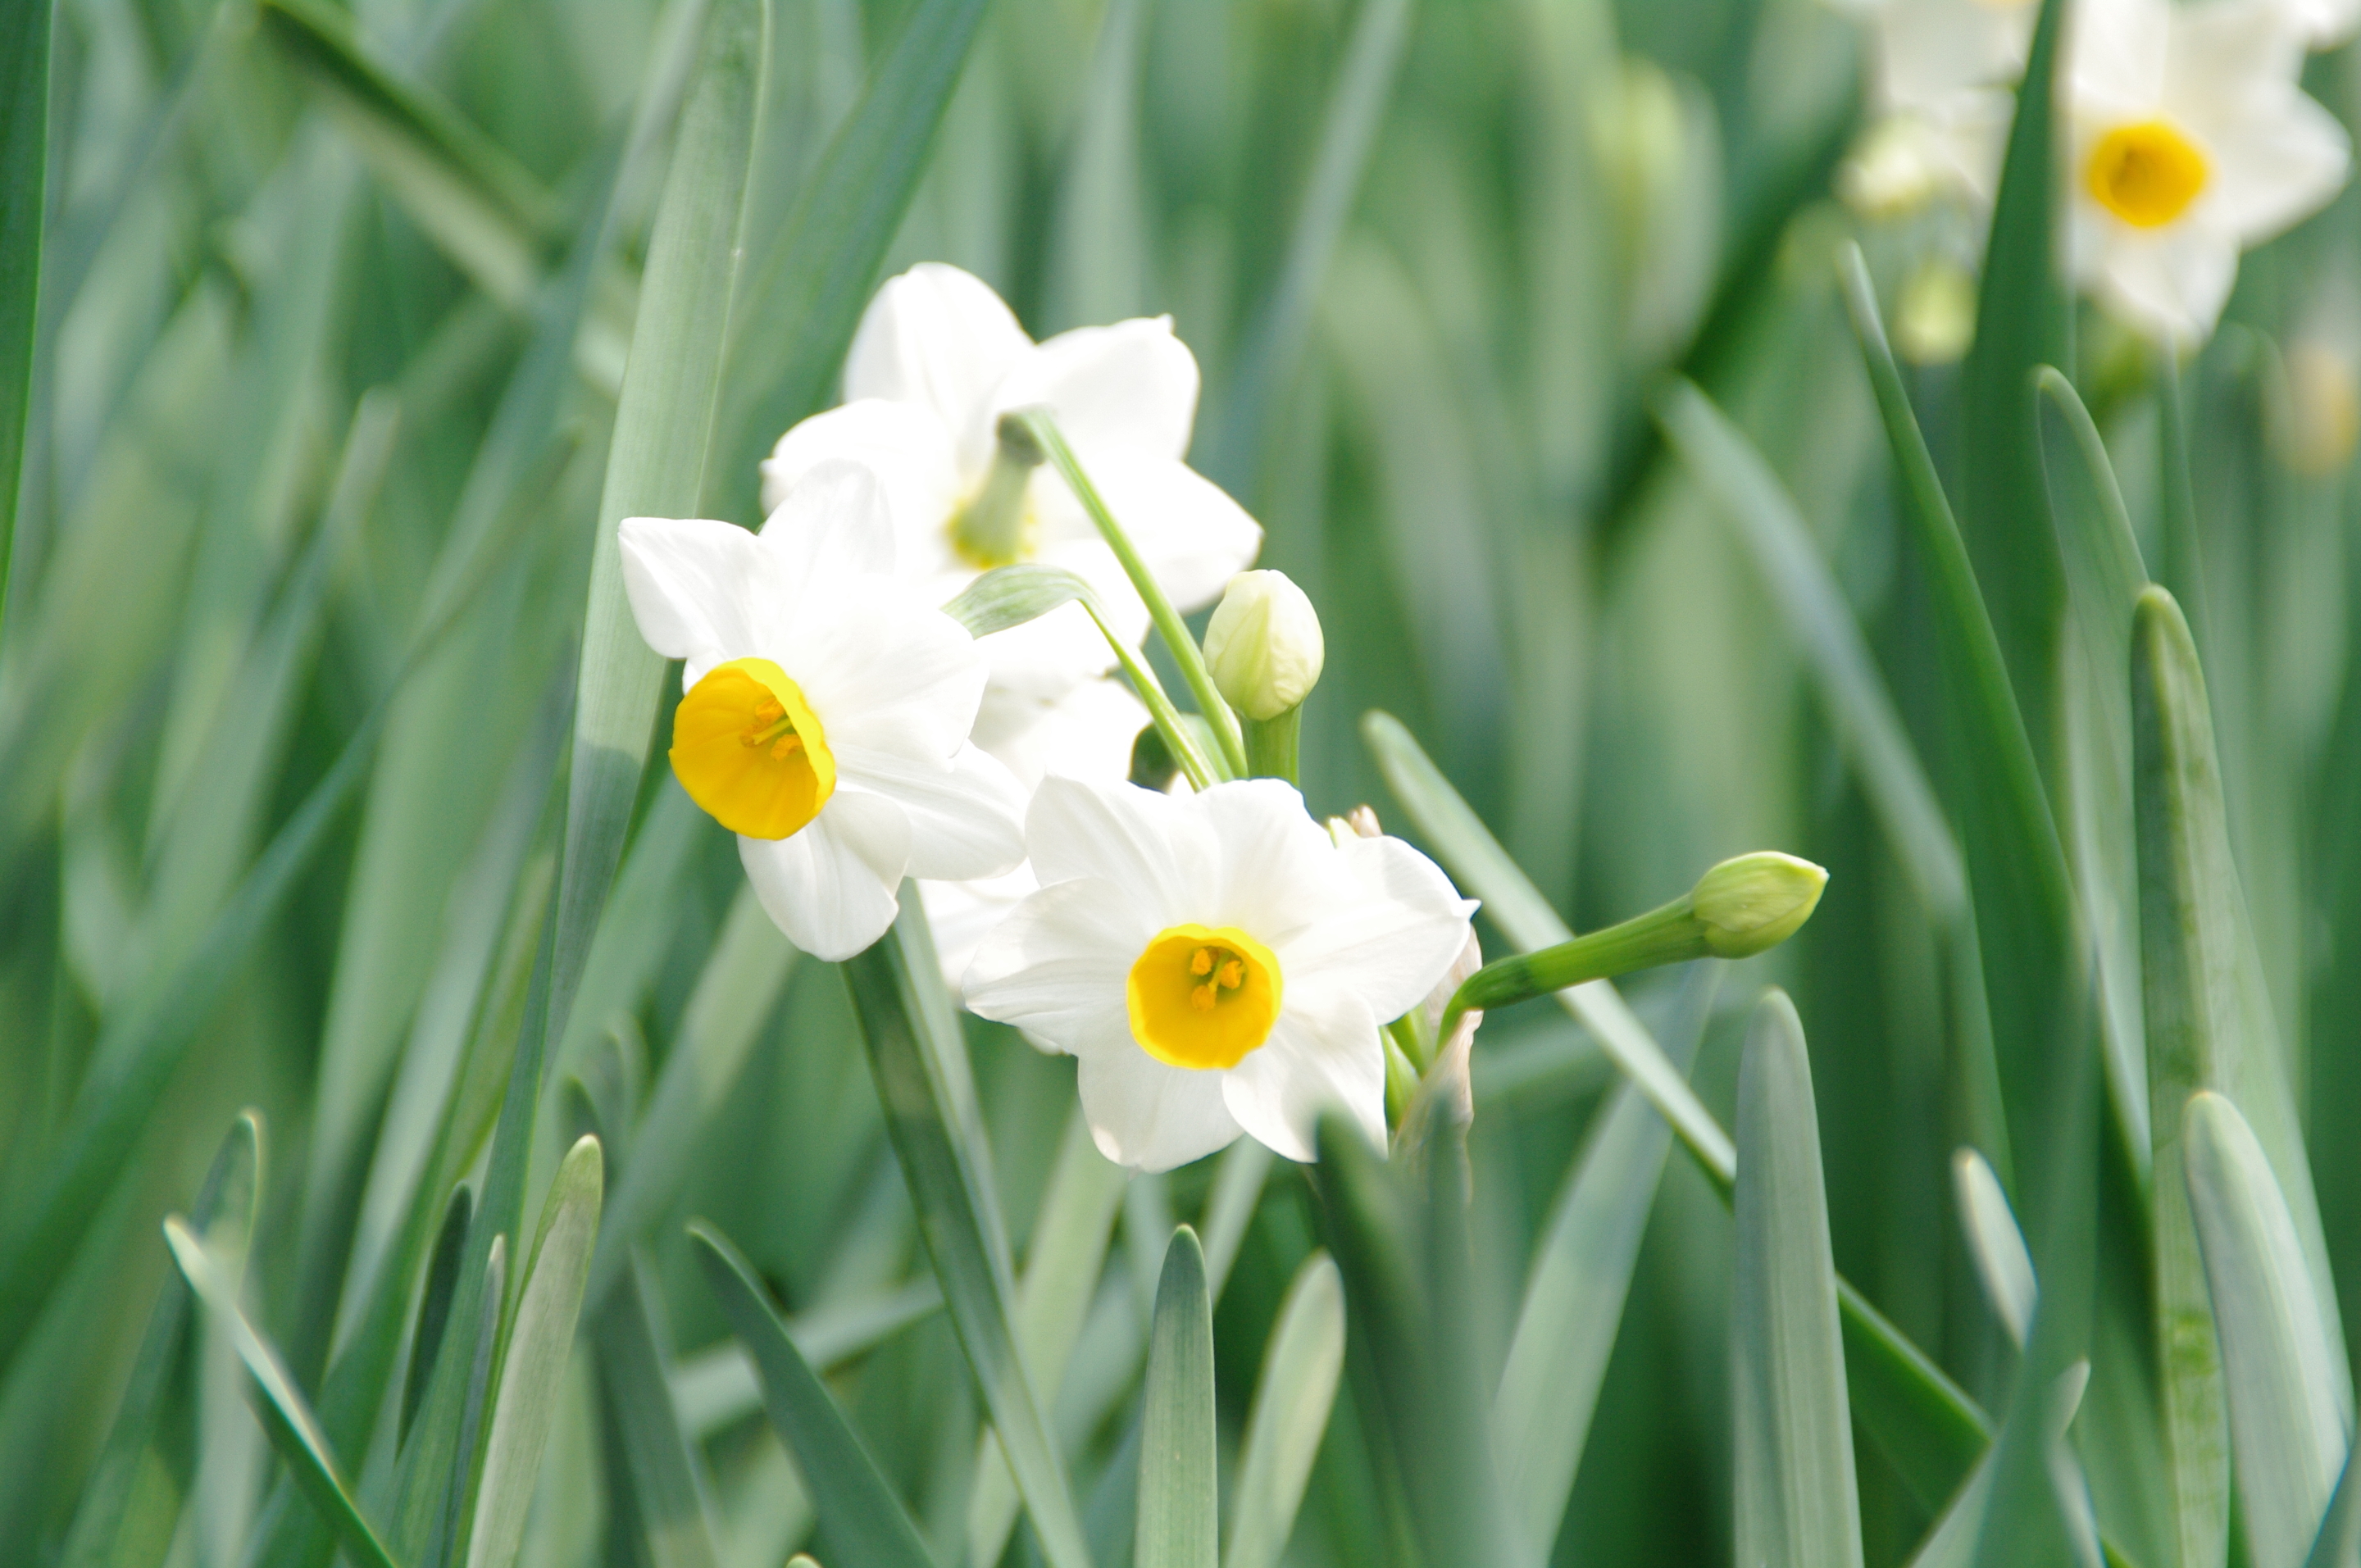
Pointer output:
1754, 902
1263, 645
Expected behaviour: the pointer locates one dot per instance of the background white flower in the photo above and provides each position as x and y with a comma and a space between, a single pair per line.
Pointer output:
1241, 936
2191, 141
880, 692
938, 359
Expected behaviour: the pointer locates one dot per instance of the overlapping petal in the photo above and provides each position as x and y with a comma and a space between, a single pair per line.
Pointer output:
949, 837
832, 887
1324, 1054
941, 338
695, 588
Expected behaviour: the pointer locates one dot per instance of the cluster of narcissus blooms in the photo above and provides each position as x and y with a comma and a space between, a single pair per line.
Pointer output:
2188, 138
1218, 962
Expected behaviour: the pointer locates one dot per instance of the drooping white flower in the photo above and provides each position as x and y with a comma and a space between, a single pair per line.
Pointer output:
936, 360
826, 709
2188, 142
1217, 963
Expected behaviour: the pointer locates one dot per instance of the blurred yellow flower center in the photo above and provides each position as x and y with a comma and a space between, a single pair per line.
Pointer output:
2146, 174
746, 748
1203, 996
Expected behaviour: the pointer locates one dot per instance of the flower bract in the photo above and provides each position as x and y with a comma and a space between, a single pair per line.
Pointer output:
826, 710
1218, 962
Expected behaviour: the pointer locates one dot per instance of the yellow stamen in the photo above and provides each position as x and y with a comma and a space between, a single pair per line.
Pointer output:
747, 748
2146, 173
1202, 997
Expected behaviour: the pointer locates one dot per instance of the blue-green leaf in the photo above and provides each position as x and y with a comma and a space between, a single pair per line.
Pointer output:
1180, 1506
861, 1517
1798, 1504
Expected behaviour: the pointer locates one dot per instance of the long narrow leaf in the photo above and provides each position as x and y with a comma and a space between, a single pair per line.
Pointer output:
24, 198
532, 1364
664, 1476
1995, 1243
803, 303
1798, 1506
862, 1519
1289, 1415
2289, 1394
1576, 1289
2209, 1027
2025, 919
2024, 320
2104, 575
121, 1521
286, 1415
1930, 1428
656, 463
1851, 690
914, 1049
1179, 1510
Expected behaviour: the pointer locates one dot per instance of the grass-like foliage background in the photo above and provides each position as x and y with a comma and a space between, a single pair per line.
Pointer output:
1526, 334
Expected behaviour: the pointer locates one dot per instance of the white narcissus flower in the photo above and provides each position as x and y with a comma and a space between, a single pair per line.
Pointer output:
2190, 141
936, 360
827, 710
1217, 963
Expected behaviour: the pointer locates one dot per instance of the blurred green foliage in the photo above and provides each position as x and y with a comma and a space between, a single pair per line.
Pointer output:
336, 310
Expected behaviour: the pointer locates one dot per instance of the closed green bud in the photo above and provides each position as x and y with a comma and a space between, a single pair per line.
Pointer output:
1263, 645
1755, 902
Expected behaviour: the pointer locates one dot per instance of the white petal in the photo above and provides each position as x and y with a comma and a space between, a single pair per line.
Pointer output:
1084, 733
832, 887
965, 816
2275, 168
909, 450
833, 521
1279, 871
695, 587
1152, 1117
882, 672
2171, 284
1396, 942
939, 337
1133, 384
1151, 846
1188, 531
1323, 1054
1058, 966
961, 913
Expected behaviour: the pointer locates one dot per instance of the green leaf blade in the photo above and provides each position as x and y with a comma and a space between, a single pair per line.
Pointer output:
1179, 1510
288, 1419
533, 1363
2290, 1395
1292, 1399
860, 1515
1798, 1506
919, 1061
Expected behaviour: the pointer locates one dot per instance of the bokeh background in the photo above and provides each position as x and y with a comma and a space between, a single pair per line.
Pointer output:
1437, 261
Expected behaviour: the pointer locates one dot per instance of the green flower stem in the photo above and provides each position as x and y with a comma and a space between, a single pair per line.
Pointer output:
1671, 935
1744, 905
1167, 718
1274, 746
1169, 624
